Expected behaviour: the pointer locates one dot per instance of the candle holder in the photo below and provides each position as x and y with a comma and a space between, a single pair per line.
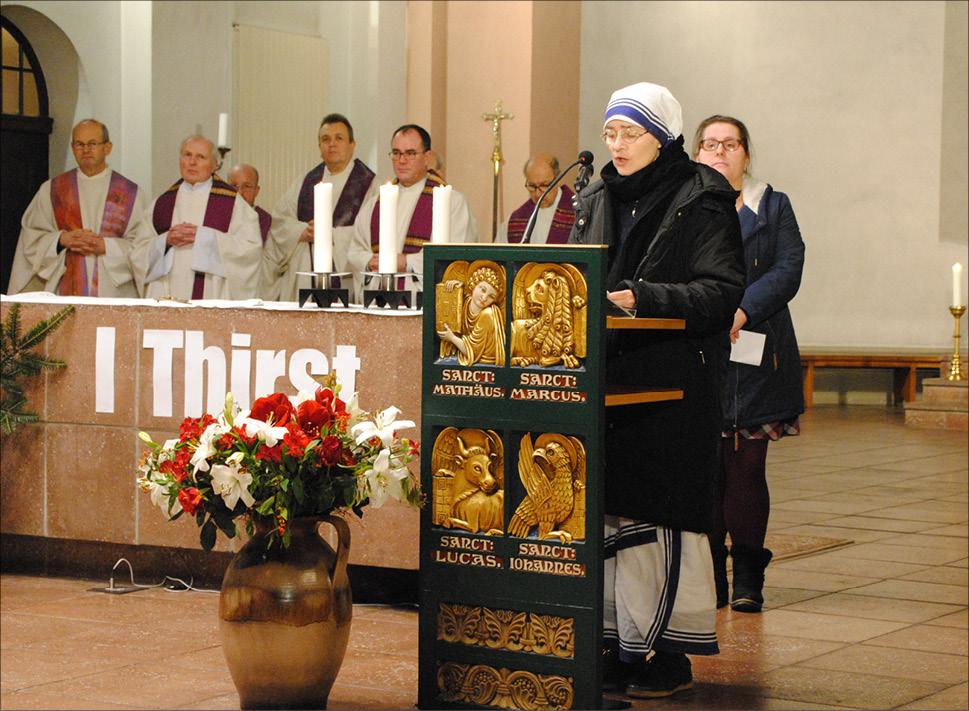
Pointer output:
222, 151
392, 289
327, 288
955, 366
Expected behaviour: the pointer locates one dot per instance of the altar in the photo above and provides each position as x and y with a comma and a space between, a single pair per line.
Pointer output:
69, 502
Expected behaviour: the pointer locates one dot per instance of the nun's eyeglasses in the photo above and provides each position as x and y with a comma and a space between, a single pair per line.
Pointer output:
625, 134
711, 144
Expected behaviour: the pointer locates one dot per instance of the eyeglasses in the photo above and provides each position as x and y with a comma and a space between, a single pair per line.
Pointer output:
401, 155
712, 144
625, 134
77, 145
539, 188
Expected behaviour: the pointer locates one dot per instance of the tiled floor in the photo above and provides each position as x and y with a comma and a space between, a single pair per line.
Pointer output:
879, 624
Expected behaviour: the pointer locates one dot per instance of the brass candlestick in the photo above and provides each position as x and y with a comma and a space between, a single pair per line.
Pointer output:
955, 366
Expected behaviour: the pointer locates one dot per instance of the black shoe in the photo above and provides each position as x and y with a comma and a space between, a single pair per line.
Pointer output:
720, 574
748, 578
615, 671
665, 674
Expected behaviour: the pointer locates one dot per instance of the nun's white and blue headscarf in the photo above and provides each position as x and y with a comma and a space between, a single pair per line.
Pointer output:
649, 106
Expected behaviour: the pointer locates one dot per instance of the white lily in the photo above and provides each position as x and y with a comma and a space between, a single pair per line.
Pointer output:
206, 447
384, 481
158, 494
232, 483
383, 426
301, 397
263, 430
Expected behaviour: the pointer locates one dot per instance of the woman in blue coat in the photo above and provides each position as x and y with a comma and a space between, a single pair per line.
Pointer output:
760, 402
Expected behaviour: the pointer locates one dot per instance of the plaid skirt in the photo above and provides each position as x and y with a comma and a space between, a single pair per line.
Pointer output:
658, 591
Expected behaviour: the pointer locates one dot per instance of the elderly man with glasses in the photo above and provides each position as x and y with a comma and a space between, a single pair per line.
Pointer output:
555, 218
409, 145
77, 232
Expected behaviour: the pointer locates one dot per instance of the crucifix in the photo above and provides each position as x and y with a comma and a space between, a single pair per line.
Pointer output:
496, 160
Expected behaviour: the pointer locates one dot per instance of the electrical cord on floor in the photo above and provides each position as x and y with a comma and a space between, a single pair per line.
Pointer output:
181, 586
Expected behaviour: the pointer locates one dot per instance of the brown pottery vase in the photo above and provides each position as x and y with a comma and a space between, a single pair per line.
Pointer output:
284, 614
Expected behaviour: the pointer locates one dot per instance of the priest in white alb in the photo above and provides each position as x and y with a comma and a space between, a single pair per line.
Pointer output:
199, 239
77, 232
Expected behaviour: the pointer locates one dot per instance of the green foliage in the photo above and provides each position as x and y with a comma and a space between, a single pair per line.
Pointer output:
18, 363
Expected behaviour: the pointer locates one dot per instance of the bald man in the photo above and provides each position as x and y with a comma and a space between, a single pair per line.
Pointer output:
77, 232
556, 215
245, 178
199, 239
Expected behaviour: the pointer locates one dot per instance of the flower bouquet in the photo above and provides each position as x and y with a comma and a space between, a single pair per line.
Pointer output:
286, 457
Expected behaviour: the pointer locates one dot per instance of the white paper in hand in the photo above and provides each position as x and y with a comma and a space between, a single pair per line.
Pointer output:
749, 348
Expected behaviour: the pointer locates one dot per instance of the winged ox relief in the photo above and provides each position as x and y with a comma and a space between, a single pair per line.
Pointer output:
469, 492
553, 472
549, 317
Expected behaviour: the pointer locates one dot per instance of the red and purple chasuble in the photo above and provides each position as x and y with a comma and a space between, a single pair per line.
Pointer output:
354, 192
66, 200
218, 216
562, 220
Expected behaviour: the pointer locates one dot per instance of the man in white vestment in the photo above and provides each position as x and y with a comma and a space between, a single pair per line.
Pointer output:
289, 248
409, 145
77, 232
553, 223
200, 238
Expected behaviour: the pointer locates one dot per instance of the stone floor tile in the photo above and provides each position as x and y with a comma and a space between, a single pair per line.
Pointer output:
65, 701
827, 530
879, 524
932, 542
961, 563
956, 619
842, 565
904, 554
841, 688
955, 697
875, 608
891, 662
828, 507
833, 628
783, 577
941, 574
914, 590
926, 638
957, 529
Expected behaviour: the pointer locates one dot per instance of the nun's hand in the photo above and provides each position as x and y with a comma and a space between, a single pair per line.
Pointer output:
625, 298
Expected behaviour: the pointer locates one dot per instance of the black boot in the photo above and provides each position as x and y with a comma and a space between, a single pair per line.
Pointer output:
748, 577
720, 574
664, 674
615, 672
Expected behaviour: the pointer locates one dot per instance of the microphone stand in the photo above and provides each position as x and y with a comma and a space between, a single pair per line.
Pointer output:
530, 227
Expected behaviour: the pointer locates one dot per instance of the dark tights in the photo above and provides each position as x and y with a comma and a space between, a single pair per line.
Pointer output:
743, 501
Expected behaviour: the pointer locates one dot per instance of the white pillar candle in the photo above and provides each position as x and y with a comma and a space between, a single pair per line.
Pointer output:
957, 284
441, 214
223, 131
387, 261
323, 228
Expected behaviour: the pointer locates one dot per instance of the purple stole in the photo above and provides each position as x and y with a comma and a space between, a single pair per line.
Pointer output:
265, 222
562, 220
66, 201
419, 229
218, 215
345, 211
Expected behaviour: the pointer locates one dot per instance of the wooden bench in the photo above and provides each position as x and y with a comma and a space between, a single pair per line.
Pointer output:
905, 362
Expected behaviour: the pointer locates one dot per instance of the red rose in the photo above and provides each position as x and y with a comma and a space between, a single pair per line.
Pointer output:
312, 416
331, 450
190, 499
277, 406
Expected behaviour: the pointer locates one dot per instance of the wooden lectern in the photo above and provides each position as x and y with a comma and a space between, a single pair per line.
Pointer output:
513, 405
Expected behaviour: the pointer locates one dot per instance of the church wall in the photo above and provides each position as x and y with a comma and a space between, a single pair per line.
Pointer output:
844, 103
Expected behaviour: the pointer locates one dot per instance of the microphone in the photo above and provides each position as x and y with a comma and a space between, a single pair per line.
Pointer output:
585, 172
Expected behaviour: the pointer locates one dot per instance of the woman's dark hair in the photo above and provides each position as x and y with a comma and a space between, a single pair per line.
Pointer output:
718, 118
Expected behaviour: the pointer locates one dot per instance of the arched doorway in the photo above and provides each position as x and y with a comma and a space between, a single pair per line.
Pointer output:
25, 125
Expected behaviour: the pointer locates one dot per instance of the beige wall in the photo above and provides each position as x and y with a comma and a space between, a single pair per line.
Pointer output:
845, 106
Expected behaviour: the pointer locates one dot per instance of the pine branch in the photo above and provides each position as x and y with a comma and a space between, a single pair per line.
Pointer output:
44, 328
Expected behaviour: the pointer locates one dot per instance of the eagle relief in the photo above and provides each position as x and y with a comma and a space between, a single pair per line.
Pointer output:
549, 316
470, 314
468, 492
553, 472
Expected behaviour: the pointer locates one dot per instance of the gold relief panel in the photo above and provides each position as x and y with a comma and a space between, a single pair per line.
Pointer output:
508, 630
470, 312
553, 472
469, 485
548, 327
484, 685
